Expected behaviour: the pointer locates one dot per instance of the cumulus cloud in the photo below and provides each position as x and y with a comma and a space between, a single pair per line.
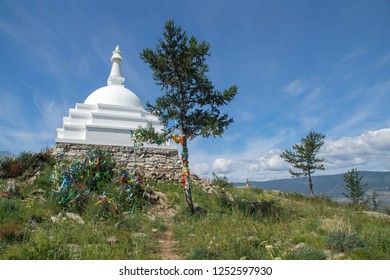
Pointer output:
201, 169
260, 160
368, 151
372, 147
271, 161
223, 166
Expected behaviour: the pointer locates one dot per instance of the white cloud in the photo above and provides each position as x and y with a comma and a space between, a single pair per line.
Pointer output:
271, 161
368, 149
244, 160
223, 166
258, 159
201, 169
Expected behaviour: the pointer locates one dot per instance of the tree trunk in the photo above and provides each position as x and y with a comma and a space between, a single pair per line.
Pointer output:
310, 185
186, 179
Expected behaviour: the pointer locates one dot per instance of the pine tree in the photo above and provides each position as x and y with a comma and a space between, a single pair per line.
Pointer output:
354, 186
304, 157
190, 105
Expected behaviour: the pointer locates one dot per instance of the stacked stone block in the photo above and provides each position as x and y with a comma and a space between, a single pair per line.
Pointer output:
154, 164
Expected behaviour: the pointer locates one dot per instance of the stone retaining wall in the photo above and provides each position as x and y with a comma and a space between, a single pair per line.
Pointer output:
153, 163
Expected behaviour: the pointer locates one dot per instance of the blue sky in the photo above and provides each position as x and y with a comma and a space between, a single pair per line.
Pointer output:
300, 66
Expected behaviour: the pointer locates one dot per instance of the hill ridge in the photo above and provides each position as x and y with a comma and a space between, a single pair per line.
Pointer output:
330, 185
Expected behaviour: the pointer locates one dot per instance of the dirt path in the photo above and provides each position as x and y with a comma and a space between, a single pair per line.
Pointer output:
166, 242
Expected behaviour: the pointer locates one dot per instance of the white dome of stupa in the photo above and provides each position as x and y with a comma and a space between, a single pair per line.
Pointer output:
115, 92
114, 95
108, 115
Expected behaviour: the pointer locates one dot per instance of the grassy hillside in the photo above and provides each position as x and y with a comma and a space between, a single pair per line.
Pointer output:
231, 223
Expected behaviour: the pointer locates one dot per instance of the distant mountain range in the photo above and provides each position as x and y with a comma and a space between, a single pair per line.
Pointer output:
330, 185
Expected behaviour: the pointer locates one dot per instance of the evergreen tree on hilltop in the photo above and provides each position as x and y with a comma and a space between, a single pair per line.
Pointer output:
354, 186
304, 157
190, 105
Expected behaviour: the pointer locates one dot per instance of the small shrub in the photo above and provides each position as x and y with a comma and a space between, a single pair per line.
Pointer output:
16, 169
306, 253
248, 207
43, 248
44, 181
10, 190
133, 222
75, 180
129, 194
10, 232
224, 201
221, 181
24, 165
344, 241
96, 167
69, 193
45, 155
267, 208
6, 158
10, 210
132, 192
204, 254
104, 207
264, 209
28, 162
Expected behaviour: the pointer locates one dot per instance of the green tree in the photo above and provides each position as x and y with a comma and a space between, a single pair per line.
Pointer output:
304, 157
354, 186
190, 105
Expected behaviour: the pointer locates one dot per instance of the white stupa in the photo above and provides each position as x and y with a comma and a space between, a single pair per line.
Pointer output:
108, 114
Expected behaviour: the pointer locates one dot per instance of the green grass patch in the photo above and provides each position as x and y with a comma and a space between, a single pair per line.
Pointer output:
231, 223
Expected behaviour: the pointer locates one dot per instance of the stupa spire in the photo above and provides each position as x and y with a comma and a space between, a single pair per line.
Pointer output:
116, 77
